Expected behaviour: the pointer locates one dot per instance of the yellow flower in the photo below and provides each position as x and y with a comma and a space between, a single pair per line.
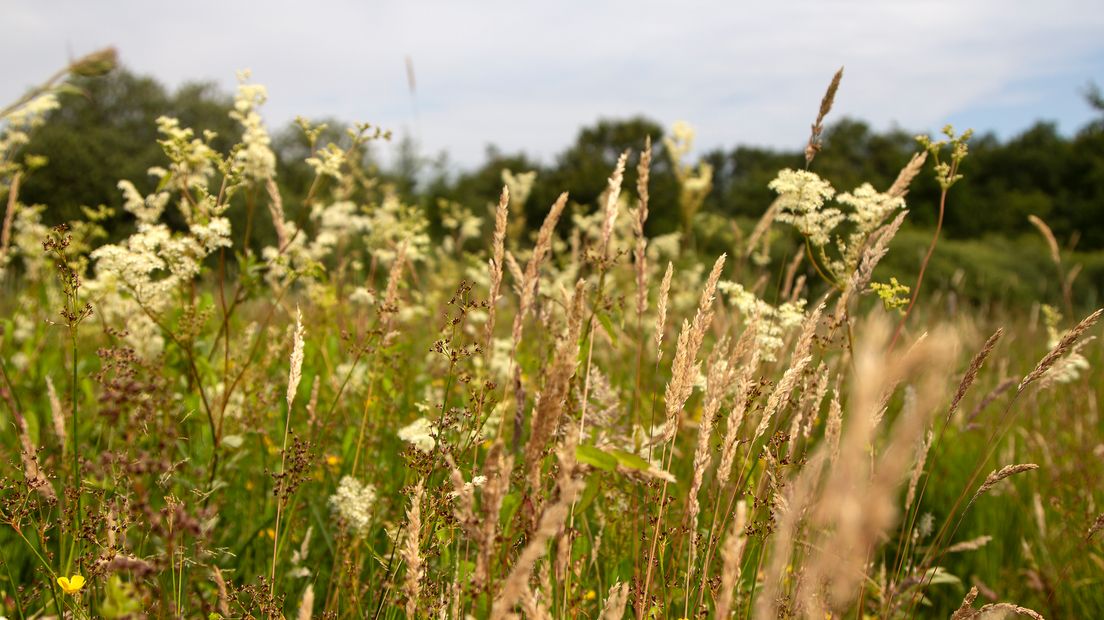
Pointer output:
590, 595
71, 585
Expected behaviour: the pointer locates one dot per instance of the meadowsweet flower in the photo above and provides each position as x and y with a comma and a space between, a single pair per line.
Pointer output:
146, 209
420, 434
71, 585
770, 323
353, 503
327, 161
801, 203
520, 185
870, 207
256, 159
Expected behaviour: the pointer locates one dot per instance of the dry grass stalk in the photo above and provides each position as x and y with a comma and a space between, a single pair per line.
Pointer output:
306, 605
28, 453
640, 255
464, 502
732, 552
993, 395
685, 366
57, 413
613, 194
800, 360
855, 503
295, 372
761, 228
618, 597
527, 293
661, 309
498, 248
966, 611
1096, 526
876, 248
515, 272
791, 272
918, 469
531, 276
815, 145
223, 595
719, 378
1065, 345
1048, 234
1000, 474
412, 583
813, 399
497, 468
904, 178
744, 383
9, 215
276, 209
970, 545
553, 397
551, 523
833, 428
972, 372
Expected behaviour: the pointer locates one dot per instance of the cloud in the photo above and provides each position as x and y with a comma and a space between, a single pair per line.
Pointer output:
526, 75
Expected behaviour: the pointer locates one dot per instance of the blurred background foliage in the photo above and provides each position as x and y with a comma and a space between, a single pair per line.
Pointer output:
990, 252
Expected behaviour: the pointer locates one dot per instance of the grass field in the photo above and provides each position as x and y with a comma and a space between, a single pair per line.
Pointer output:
364, 420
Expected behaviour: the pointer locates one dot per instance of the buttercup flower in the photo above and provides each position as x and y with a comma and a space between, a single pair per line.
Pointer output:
71, 585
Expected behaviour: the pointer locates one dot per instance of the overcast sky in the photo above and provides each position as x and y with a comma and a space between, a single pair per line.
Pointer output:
526, 75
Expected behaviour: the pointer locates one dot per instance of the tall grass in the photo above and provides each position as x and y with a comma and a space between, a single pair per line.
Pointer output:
581, 422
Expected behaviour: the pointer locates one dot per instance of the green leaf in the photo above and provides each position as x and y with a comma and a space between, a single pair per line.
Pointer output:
604, 319
591, 491
630, 460
596, 458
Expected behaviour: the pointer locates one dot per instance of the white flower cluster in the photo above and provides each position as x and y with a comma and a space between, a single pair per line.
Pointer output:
192, 159
19, 122
256, 158
869, 207
770, 323
520, 185
353, 503
470, 487
328, 161
420, 434
801, 196
139, 277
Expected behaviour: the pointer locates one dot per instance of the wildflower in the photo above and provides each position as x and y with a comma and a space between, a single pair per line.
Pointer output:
256, 158
328, 161
591, 595
420, 434
353, 503
801, 196
71, 585
870, 207
894, 295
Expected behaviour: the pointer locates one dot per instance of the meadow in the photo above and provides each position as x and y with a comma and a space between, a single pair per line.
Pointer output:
555, 419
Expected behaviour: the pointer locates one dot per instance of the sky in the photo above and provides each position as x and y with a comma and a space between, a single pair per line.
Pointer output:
526, 76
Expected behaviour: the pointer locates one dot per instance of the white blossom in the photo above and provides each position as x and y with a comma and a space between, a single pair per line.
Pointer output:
353, 503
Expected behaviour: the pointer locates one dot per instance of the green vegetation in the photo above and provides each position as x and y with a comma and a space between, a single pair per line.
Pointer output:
270, 380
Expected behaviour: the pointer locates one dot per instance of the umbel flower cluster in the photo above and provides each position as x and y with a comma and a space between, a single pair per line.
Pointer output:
802, 199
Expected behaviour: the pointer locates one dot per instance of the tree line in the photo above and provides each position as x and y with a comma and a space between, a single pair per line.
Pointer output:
106, 131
